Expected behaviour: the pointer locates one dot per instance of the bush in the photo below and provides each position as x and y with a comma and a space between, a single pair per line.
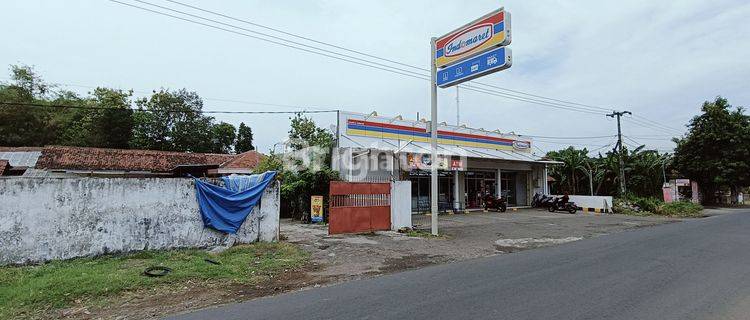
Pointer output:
682, 209
638, 206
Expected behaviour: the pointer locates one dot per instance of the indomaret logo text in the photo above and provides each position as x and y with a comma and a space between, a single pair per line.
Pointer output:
468, 39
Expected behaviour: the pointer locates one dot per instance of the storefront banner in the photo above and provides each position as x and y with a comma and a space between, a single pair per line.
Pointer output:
421, 161
396, 129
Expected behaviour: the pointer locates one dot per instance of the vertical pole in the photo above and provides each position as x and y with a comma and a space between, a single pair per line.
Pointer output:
433, 141
458, 118
622, 164
591, 181
620, 150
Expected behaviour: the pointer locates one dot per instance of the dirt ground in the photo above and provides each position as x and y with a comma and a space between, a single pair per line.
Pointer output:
463, 236
340, 258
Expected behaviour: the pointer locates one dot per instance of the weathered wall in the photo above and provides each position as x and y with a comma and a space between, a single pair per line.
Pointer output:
45, 219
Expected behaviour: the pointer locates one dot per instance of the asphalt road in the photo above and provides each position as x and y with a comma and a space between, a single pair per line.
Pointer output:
698, 269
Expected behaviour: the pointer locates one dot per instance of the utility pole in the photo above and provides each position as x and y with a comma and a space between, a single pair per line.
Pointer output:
433, 141
458, 123
620, 148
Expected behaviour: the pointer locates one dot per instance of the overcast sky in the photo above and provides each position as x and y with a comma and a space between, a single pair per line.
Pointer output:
658, 59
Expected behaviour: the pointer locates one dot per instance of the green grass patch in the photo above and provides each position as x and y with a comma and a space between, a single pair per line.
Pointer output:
423, 234
638, 206
28, 289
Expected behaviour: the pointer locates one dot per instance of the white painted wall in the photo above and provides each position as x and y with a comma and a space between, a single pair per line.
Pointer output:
400, 204
46, 219
597, 202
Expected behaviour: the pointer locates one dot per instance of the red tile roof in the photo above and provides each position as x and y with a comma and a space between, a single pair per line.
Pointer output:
82, 158
4, 164
245, 160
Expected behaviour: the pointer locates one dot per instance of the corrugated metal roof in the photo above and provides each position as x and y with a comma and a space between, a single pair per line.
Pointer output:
21, 158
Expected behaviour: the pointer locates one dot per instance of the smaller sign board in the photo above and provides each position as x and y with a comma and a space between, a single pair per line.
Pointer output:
483, 64
421, 161
316, 208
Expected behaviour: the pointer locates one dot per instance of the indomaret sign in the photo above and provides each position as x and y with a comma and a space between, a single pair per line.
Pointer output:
491, 30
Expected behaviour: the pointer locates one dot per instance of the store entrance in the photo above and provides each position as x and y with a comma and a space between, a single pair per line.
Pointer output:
478, 184
508, 187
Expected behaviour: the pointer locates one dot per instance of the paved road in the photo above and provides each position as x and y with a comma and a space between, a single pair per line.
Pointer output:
698, 269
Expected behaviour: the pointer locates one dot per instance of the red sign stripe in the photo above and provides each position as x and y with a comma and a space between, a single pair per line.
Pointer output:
494, 19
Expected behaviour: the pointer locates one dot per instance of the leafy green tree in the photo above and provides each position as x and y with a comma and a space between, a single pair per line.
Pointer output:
224, 136
716, 152
244, 139
108, 124
305, 131
21, 125
172, 121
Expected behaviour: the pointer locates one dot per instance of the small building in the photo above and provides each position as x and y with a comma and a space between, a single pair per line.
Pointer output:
471, 162
60, 161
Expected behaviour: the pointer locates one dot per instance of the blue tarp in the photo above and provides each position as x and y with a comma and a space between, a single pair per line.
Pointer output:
240, 182
225, 209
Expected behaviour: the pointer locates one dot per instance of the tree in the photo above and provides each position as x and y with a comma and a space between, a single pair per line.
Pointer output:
716, 152
22, 125
305, 131
172, 121
223, 138
108, 124
244, 139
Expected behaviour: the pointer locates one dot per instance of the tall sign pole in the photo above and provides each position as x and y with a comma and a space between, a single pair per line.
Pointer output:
474, 50
620, 149
433, 141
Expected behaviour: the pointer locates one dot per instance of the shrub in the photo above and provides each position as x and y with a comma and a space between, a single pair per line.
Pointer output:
680, 209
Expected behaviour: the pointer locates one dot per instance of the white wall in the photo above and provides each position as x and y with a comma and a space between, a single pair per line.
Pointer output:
46, 219
596, 202
400, 204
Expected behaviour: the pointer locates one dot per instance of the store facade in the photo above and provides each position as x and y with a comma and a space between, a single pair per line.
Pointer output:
471, 162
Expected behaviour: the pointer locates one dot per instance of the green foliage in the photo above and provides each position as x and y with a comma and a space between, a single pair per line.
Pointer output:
305, 131
646, 206
222, 137
681, 209
173, 123
244, 139
32, 289
643, 172
716, 152
109, 121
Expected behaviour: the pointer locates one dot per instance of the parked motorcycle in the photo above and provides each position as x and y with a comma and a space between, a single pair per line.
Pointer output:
561, 205
492, 202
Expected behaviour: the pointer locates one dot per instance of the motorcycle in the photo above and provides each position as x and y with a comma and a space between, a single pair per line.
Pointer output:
559, 205
541, 201
492, 202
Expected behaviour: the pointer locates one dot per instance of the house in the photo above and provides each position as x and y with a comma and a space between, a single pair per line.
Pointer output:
57, 161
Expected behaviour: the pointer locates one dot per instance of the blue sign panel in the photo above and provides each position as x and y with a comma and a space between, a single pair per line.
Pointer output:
483, 64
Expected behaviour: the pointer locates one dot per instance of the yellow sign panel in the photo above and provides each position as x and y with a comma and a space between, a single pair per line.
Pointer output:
316, 208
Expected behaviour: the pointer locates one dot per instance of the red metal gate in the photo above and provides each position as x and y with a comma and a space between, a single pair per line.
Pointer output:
356, 207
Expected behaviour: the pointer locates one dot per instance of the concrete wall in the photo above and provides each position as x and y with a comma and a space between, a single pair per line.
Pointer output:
46, 219
400, 204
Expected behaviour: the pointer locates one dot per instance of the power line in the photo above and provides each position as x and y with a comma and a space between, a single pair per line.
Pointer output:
271, 41
371, 55
298, 36
572, 138
368, 64
205, 98
60, 106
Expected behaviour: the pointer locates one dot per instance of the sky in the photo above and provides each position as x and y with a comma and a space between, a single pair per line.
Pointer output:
658, 59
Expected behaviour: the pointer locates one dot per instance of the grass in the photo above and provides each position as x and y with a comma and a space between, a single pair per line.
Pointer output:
25, 290
651, 206
423, 234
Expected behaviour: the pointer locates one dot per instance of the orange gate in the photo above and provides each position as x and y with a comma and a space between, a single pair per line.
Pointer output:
356, 207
